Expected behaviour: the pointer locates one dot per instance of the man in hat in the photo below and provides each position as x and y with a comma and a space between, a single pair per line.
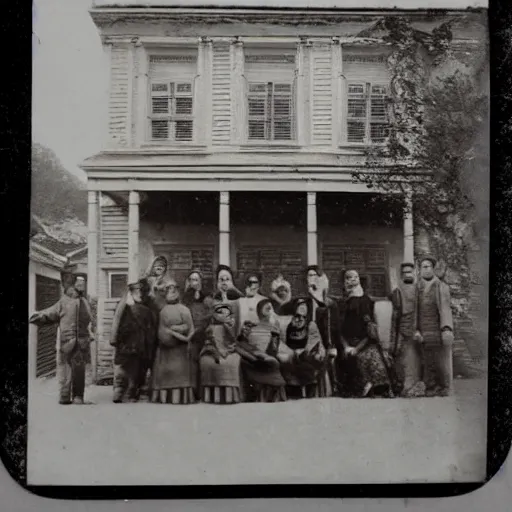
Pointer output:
406, 351
133, 341
73, 314
434, 329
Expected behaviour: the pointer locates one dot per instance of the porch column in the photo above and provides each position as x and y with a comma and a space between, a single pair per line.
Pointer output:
408, 229
92, 244
224, 228
133, 236
312, 230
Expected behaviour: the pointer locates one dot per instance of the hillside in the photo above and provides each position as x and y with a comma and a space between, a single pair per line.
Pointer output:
58, 198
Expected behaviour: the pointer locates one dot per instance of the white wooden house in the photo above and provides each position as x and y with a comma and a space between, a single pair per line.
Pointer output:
232, 137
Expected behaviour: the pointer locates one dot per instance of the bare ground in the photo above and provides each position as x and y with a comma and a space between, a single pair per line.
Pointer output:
308, 441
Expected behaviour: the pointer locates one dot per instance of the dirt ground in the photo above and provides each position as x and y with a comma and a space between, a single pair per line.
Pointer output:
329, 440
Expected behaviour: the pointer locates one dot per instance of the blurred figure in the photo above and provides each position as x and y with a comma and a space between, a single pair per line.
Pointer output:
73, 314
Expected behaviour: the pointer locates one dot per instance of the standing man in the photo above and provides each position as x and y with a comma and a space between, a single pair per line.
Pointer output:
406, 351
133, 340
434, 329
73, 314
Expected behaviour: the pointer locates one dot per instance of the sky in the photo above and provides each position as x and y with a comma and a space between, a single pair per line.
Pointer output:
70, 86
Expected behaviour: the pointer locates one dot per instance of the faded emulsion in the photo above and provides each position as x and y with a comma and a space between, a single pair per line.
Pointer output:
277, 268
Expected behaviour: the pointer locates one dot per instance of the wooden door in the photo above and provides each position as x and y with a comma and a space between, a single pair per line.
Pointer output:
48, 292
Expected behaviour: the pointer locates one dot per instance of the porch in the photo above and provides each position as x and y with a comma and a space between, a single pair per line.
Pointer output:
268, 232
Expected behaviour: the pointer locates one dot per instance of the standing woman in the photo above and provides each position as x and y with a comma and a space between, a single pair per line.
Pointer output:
226, 289
200, 306
174, 378
248, 304
157, 276
219, 362
362, 365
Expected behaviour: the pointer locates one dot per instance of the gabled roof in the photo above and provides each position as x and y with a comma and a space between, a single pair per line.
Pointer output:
40, 236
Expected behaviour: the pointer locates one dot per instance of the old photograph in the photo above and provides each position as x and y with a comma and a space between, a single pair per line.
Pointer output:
258, 243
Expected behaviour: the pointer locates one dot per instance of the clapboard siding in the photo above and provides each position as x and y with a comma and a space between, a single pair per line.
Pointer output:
105, 352
361, 68
221, 95
322, 95
119, 98
114, 233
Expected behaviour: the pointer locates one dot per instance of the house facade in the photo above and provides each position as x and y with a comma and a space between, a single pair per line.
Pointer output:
232, 138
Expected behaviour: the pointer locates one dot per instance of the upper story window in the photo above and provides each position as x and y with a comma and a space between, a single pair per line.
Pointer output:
172, 91
271, 110
367, 113
366, 102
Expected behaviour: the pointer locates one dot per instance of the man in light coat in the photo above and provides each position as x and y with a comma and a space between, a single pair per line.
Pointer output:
434, 329
73, 314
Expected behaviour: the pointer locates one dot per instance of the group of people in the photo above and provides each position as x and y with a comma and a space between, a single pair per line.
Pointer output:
183, 346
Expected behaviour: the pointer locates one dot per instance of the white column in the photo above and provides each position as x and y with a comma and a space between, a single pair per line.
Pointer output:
312, 230
238, 122
133, 237
224, 228
408, 229
92, 244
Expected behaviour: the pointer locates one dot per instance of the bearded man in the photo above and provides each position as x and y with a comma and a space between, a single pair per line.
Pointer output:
434, 330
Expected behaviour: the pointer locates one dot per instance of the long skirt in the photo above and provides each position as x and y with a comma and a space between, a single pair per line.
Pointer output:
264, 381
220, 382
174, 375
366, 371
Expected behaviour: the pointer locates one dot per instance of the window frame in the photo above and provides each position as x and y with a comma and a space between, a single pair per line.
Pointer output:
110, 274
270, 118
367, 119
174, 78
275, 76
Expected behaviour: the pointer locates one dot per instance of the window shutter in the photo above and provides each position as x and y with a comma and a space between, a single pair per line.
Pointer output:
172, 97
356, 112
270, 96
282, 115
378, 114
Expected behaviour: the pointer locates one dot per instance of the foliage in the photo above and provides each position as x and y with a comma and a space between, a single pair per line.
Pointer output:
438, 118
57, 195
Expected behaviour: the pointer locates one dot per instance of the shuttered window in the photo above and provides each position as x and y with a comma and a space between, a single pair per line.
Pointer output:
271, 99
171, 109
271, 111
367, 113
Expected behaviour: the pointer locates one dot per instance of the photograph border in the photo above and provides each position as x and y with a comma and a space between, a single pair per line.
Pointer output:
16, 123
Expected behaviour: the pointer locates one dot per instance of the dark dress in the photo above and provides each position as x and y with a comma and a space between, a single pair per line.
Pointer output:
368, 366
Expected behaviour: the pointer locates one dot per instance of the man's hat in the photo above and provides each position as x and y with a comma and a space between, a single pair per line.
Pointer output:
428, 257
